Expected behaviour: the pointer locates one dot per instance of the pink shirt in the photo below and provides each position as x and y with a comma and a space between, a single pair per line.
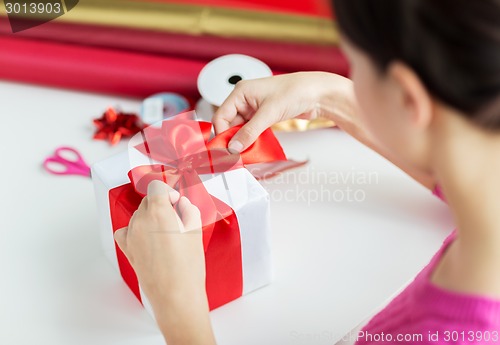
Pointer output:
424, 313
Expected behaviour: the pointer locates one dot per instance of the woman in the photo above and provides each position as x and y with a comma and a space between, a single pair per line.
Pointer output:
425, 93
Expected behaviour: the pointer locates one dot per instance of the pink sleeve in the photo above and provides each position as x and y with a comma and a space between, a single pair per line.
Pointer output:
438, 192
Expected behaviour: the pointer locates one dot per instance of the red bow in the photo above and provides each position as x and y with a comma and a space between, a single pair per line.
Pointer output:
113, 125
183, 148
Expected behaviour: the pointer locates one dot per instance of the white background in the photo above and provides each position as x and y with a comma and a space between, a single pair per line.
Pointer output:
335, 262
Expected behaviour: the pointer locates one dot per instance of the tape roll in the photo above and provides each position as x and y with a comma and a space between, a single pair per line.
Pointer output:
204, 110
219, 77
162, 106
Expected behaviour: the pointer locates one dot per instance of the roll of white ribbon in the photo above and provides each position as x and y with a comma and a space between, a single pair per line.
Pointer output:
219, 77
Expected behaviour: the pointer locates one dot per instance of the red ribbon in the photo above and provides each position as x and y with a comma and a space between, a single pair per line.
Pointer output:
183, 147
183, 150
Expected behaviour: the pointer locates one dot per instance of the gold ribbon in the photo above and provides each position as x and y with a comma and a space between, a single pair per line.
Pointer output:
301, 125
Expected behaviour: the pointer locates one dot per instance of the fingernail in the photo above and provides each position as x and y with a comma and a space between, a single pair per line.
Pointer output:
235, 145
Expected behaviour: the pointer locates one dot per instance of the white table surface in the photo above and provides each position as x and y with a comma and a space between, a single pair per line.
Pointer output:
335, 261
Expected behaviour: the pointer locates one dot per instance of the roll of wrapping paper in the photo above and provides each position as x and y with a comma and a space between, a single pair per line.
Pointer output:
317, 8
283, 56
97, 70
200, 19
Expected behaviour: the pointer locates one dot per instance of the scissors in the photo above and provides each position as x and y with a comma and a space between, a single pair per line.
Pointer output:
67, 166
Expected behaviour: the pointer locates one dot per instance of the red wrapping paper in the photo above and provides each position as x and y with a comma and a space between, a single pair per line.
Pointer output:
96, 70
282, 56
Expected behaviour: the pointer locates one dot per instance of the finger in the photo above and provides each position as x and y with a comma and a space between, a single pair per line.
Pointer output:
142, 206
159, 200
173, 194
137, 215
238, 120
160, 190
189, 214
120, 236
141, 210
234, 105
247, 135
222, 120
306, 116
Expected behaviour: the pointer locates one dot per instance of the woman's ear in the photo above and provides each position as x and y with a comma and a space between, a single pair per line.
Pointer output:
415, 98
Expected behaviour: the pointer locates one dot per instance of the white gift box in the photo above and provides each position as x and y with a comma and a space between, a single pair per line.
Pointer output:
237, 188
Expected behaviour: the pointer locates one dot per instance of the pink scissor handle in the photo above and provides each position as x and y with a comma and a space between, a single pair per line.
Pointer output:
61, 152
76, 166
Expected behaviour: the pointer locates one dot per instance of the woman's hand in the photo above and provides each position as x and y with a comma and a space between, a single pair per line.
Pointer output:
261, 103
166, 251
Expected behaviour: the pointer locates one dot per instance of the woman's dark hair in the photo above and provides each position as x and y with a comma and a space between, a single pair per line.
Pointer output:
453, 45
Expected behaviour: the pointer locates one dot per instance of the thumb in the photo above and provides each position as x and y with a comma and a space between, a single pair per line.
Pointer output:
121, 238
246, 136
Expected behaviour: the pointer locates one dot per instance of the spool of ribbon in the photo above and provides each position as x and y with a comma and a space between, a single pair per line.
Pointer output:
219, 77
162, 106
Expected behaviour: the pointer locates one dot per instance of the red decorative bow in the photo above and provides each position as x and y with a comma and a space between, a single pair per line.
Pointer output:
183, 150
113, 125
